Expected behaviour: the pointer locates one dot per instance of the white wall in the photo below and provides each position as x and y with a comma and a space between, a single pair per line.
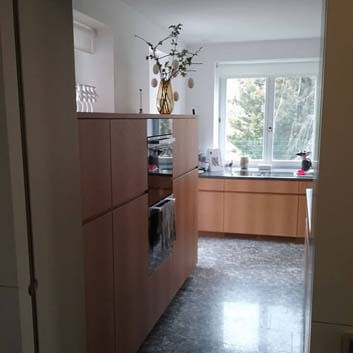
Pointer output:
97, 68
131, 70
202, 97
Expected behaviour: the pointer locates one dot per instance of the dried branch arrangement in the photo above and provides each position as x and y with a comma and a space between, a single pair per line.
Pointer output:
177, 62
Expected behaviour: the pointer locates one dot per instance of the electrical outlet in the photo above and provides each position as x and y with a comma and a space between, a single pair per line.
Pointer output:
347, 343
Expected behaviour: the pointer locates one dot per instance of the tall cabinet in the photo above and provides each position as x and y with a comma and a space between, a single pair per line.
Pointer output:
123, 299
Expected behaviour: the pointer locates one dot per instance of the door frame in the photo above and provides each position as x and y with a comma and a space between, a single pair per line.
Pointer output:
19, 191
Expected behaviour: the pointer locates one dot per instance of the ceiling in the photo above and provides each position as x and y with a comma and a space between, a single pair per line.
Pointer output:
214, 21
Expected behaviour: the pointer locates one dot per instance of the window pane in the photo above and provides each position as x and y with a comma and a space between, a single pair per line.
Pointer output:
245, 112
294, 114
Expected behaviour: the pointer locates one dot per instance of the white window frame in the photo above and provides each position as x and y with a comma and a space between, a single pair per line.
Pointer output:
256, 71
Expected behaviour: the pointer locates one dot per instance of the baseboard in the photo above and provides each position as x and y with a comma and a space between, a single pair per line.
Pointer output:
298, 240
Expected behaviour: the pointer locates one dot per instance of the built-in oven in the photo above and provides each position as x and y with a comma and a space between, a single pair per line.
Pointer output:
161, 201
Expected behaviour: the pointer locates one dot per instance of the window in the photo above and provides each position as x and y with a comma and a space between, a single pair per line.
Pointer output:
268, 118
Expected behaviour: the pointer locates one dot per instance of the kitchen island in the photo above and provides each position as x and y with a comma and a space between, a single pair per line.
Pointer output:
125, 294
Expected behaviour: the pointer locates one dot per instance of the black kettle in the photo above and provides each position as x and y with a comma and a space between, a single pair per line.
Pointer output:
306, 162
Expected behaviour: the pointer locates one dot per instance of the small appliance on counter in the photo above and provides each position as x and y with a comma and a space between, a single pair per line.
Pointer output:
160, 143
204, 164
244, 163
264, 168
306, 162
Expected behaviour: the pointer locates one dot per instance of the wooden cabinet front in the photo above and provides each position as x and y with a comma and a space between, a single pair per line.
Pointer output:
262, 186
94, 142
302, 228
129, 159
211, 211
257, 207
185, 258
261, 214
186, 146
99, 284
131, 274
302, 217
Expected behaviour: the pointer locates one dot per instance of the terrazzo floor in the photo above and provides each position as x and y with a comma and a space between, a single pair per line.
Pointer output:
245, 296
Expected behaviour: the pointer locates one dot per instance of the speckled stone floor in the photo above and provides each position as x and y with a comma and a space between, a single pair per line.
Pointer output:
246, 296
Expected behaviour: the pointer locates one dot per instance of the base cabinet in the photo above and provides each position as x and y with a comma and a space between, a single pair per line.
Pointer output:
185, 256
261, 214
99, 284
211, 211
130, 243
123, 299
254, 207
302, 229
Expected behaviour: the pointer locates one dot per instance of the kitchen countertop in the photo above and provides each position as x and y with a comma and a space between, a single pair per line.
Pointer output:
276, 174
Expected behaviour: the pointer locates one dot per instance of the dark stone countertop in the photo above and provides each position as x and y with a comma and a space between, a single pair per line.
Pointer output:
275, 174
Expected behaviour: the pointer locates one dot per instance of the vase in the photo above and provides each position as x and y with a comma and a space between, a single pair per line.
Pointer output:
165, 97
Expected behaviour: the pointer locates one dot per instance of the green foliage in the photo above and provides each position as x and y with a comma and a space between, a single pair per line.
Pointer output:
246, 118
294, 110
293, 116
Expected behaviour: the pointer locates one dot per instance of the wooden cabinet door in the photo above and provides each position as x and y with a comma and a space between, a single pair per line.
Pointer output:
129, 159
302, 217
185, 257
261, 186
94, 142
211, 211
303, 185
131, 274
99, 284
261, 214
186, 146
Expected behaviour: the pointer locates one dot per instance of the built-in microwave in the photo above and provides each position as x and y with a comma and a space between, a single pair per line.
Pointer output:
161, 201
160, 141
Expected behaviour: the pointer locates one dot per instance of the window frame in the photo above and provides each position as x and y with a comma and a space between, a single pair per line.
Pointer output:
268, 114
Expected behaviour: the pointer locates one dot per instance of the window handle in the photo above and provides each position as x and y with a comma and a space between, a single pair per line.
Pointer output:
270, 129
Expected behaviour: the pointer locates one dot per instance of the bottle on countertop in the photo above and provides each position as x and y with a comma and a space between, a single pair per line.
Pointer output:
244, 163
306, 162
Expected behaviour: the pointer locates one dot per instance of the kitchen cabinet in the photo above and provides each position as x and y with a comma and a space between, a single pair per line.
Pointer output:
186, 226
99, 284
161, 290
211, 205
94, 144
129, 159
254, 207
303, 185
123, 299
302, 227
186, 146
261, 186
261, 214
130, 243
211, 211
